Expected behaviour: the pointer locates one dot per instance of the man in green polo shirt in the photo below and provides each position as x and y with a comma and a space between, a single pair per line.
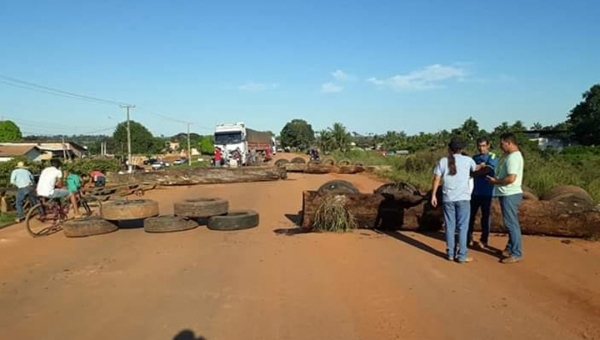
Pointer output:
507, 187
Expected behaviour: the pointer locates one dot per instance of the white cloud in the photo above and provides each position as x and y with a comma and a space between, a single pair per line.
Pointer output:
340, 75
427, 78
257, 87
331, 88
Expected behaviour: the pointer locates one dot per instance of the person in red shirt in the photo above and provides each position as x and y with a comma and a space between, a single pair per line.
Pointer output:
218, 157
98, 178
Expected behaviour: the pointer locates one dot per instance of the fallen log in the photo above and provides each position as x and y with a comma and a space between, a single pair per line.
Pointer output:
294, 167
548, 218
197, 175
326, 169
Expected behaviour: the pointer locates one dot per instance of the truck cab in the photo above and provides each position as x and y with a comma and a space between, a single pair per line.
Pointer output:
231, 137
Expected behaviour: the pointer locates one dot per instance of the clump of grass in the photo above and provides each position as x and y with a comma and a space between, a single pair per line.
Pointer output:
331, 215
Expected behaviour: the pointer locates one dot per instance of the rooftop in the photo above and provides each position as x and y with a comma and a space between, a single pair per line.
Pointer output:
15, 150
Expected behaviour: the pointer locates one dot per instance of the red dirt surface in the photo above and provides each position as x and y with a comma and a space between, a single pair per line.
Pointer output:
262, 284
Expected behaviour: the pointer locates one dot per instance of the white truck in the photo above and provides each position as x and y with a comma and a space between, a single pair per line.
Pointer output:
231, 137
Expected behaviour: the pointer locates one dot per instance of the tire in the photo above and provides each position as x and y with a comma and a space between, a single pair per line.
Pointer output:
166, 224
234, 220
359, 163
298, 160
281, 162
201, 207
328, 161
314, 162
403, 192
123, 210
569, 193
88, 226
338, 187
344, 162
43, 225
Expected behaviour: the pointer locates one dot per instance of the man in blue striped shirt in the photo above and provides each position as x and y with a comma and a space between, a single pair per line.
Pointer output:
483, 190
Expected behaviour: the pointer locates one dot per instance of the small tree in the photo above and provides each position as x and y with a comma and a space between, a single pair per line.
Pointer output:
9, 131
297, 133
142, 140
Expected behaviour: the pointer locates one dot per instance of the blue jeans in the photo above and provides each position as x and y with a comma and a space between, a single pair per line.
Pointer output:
23, 193
456, 216
510, 214
485, 203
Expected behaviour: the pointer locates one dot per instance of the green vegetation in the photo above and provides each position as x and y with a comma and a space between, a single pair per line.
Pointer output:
7, 218
9, 131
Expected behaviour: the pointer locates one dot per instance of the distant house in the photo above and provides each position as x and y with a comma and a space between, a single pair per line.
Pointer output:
548, 139
68, 150
173, 146
31, 152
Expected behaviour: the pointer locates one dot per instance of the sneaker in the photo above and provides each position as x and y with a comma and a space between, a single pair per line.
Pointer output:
466, 260
450, 258
506, 253
510, 259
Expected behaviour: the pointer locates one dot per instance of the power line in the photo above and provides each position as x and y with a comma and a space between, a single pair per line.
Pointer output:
23, 84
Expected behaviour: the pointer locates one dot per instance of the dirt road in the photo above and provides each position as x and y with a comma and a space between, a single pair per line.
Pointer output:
259, 284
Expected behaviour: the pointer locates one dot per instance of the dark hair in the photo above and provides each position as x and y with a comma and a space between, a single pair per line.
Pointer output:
483, 140
509, 137
456, 146
55, 162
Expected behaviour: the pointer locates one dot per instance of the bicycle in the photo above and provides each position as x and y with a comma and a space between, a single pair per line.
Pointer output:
46, 217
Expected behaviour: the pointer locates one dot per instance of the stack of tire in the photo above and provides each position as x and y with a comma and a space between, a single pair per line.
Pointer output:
215, 211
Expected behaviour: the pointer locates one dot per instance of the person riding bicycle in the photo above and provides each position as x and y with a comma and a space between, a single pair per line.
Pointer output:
74, 187
50, 182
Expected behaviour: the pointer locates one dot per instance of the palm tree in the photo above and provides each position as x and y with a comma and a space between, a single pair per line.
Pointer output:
341, 137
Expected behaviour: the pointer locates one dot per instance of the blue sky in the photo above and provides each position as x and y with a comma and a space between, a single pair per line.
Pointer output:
372, 65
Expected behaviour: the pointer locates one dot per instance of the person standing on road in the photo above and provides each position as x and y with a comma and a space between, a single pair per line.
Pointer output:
455, 170
507, 187
483, 191
22, 178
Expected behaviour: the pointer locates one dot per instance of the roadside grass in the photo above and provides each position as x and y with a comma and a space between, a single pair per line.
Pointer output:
7, 218
543, 171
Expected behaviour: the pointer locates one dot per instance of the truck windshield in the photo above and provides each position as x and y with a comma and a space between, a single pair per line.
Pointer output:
222, 138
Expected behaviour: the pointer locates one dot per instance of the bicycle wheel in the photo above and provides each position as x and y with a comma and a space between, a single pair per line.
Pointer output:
43, 220
91, 206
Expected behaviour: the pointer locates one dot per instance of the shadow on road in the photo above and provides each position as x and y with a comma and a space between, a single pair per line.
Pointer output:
187, 334
413, 242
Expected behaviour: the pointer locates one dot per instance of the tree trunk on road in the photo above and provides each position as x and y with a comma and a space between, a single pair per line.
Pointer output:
536, 217
193, 176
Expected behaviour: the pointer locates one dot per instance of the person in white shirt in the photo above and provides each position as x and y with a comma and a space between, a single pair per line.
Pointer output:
50, 178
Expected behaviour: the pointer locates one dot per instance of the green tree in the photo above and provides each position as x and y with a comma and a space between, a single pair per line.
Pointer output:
205, 145
585, 118
9, 131
142, 140
341, 137
297, 133
469, 130
537, 126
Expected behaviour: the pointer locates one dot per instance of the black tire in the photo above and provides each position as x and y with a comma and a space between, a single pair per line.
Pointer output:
344, 162
396, 187
281, 162
166, 224
298, 160
234, 220
201, 207
88, 226
338, 187
328, 161
123, 210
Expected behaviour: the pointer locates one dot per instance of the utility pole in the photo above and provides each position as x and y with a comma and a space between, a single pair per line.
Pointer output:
64, 151
128, 137
189, 147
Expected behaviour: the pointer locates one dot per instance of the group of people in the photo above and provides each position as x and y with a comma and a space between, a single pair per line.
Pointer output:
50, 185
469, 184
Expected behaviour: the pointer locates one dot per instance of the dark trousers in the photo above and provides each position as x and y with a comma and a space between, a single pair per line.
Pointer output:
485, 203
